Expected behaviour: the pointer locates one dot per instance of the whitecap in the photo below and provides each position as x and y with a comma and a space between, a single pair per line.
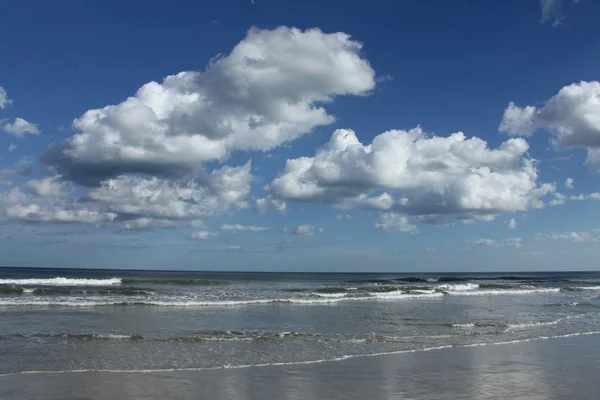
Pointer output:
60, 281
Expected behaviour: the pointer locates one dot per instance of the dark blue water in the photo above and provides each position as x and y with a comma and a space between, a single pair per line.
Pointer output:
63, 320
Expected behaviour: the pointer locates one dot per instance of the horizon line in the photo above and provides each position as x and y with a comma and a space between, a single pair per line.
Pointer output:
300, 272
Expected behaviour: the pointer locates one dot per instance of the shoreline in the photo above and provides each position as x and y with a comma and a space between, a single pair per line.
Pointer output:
300, 363
545, 368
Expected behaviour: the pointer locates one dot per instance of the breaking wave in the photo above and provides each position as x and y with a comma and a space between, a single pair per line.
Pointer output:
324, 298
58, 281
502, 292
331, 295
458, 287
580, 288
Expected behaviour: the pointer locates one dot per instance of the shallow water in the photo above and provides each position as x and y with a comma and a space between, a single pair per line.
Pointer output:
65, 320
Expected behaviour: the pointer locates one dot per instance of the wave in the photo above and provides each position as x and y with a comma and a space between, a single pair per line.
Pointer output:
306, 362
500, 324
331, 295
403, 295
57, 291
59, 281
582, 288
502, 292
126, 291
191, 282
98, 301
533, 324
384, 289
11, 290
458, 287
165, 303
99, 336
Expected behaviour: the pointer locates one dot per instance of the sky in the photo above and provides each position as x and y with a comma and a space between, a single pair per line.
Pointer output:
281, 135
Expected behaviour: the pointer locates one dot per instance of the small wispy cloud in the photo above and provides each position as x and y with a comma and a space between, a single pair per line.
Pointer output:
511, 223
569, 183
570, 236
204, 235
241, 228
553, 11
304, 230
509, 242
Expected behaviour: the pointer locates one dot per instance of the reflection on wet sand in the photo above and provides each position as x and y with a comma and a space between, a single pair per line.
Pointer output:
542, 369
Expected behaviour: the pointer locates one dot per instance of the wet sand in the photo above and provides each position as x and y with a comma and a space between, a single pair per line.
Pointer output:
564, 368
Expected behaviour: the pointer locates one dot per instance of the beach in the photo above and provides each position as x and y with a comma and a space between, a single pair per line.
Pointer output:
108, 334
563, 368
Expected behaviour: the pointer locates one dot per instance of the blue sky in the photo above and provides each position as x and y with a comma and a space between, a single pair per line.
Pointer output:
300, 136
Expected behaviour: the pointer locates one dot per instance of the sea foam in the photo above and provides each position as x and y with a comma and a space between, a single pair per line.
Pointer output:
59, 281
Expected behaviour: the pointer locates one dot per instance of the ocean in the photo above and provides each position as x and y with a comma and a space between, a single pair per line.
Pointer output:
65, 320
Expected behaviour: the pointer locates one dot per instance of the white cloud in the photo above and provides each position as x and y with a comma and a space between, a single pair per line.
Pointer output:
238, 227
304, 230
184, 200
130, 202
18, 205
413, 173
518, 121
591, 196
570, 236
393, 222
516, 243
20, 128
49, 187
12, 147
572, 116
4, 100
511, 223
269, 90
263, 205
552, 11
37, 213
569, 183
559, 199
484, 242
341, 217
143, 223
204, 235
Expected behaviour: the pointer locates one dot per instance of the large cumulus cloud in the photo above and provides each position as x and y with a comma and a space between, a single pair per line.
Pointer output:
269, 90
416, 174
155, 159
572, 116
